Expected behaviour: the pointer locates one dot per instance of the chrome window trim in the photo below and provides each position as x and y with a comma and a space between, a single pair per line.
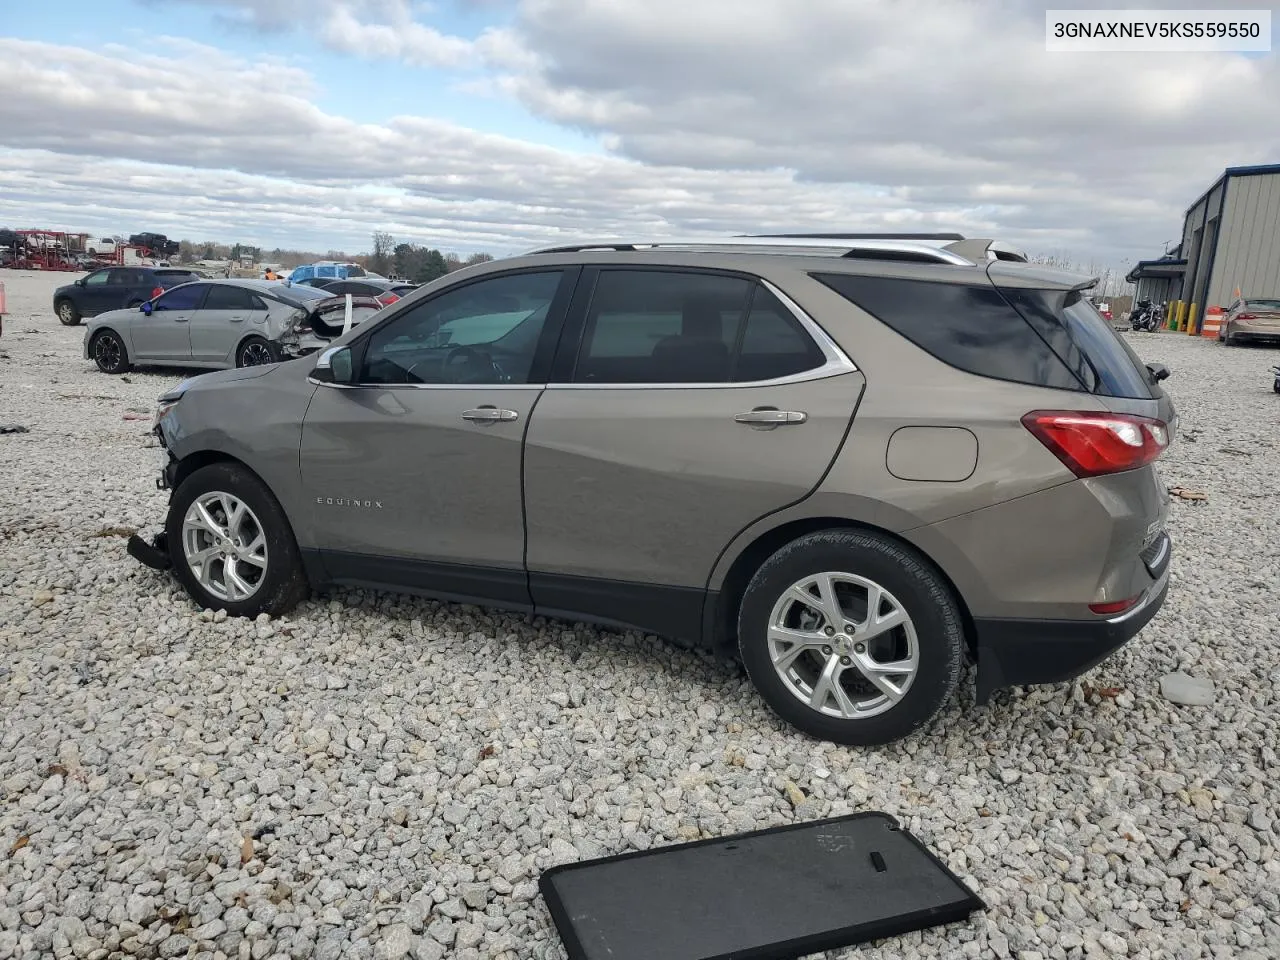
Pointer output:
836, 363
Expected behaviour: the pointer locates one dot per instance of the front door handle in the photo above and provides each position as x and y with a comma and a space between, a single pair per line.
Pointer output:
489, 414
771, 417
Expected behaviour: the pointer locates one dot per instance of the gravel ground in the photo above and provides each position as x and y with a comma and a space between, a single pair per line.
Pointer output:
375, 776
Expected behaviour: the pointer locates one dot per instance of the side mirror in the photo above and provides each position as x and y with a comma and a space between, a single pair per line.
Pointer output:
1158, 371
80, 282
334, 366
146, 307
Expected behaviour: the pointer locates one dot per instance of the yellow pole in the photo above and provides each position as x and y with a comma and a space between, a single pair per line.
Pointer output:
1191, 320
1182, 315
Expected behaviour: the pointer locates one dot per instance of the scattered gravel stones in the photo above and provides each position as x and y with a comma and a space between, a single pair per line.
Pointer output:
405, 769
1188, 691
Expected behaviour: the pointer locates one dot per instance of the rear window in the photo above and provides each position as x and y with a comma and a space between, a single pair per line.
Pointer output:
1262, 305
1044, 338
971, 328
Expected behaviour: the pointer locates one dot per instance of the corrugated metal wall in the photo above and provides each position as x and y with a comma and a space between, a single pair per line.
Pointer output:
1249, 245
1200, 231
1155, 289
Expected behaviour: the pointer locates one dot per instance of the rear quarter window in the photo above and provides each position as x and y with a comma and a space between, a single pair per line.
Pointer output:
969, 327
1099, 356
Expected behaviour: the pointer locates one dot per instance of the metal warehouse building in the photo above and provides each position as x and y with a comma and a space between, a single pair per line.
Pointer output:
1230, 241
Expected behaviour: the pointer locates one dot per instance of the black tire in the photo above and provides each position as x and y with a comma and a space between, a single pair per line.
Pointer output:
283, 585
917, 587
109, 353
255, 351
68, 313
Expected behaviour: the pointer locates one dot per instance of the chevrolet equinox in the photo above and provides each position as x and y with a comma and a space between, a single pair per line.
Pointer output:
856, 460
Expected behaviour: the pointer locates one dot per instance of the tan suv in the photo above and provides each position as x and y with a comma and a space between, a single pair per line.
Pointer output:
853, 460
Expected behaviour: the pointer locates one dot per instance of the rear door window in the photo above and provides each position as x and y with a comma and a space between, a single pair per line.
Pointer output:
773, 342
656, 326
650, 326
223, 297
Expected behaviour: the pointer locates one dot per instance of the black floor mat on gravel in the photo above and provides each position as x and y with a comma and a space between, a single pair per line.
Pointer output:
766, 895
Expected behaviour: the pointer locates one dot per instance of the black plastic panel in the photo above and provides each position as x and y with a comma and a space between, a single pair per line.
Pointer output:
766, 895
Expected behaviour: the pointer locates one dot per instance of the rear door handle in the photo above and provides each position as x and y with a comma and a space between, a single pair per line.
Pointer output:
770, 417
237, 319
490, 415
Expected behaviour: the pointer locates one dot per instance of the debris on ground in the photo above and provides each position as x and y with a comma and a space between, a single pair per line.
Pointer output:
136, 415
1185, 493
13, 428
1186, 690
1235, 452
795, 796
113, 532
1101, 693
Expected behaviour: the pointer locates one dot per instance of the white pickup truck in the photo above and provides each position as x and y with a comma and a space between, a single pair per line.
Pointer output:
103, 247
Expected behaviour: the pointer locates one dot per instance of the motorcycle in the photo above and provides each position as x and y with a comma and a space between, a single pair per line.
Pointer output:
1145, 316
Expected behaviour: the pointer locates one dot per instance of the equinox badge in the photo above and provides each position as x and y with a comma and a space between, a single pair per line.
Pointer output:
348, 502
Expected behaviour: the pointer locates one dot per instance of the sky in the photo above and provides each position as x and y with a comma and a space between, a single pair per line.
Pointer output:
502, 125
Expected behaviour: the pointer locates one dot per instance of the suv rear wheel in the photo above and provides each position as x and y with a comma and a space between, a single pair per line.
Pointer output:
231, 545
68, 315
851, 638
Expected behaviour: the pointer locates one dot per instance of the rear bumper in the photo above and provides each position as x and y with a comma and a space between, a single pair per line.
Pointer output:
1260, 334
1015, 653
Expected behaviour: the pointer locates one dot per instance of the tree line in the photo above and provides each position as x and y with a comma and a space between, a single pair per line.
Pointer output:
411, 261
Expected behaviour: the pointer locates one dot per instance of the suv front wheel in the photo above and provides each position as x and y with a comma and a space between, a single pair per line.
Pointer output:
851, 638
231, 545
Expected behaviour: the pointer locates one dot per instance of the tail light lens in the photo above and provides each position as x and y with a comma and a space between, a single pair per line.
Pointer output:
387, 299
156, 291
1094, 444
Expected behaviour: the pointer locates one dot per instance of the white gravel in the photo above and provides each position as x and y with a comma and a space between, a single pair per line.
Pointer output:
376, 776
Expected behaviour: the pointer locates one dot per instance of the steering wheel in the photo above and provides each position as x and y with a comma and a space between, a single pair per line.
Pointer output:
470, 355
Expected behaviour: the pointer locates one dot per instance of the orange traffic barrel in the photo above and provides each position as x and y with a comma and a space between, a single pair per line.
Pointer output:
1212, 322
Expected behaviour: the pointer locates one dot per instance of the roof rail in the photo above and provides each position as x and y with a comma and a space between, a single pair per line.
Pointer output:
862, 236
917, 250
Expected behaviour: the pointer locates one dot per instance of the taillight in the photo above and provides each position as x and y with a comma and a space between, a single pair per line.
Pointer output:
1092, 444
156, 292
387, 299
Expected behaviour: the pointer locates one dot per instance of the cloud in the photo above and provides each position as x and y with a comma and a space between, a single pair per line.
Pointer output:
716, 116
252, 156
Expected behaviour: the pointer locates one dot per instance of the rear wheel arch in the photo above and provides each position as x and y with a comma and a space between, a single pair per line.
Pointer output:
721, 625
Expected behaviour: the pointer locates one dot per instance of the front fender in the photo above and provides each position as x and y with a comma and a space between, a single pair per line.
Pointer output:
253, 415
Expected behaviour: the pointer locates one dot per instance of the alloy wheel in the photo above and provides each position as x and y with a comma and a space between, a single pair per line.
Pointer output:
224, 546
108, 352
255, 354
843, 645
